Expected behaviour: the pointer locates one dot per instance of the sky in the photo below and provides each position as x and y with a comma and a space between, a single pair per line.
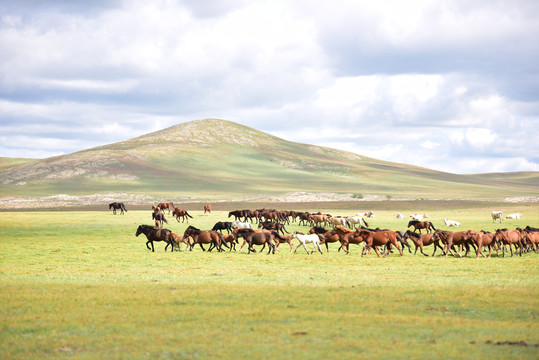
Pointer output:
447, 85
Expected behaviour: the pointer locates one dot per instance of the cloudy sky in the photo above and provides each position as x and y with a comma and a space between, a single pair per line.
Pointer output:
449, 85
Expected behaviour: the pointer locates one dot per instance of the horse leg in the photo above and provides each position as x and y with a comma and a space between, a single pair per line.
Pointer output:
148, 246
305, 247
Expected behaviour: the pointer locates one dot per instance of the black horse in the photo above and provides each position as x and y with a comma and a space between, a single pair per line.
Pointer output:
223, 225
153, 234
117, 205
159, 217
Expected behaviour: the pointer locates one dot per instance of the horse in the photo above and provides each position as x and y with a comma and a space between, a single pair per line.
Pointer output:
177, 239
347, 237
238, 214
509, 237
369, 214
304, 239
419, 217
159, 218
497, 215
446, 237
166, 205
241, 224
328, 236
153, 234
420, 240
378, 238
481, 239
179, 213
254, 237
223, 225
117, 205
207, 209
352, 220
421, 225
231, 239
452, 223
514, 216
316, 219
270, 225
205, 237
338, 220
400, 216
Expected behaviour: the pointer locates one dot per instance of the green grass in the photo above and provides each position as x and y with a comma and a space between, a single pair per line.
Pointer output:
81, 285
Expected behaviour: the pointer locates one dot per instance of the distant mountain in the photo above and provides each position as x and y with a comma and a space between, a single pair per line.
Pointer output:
218, 159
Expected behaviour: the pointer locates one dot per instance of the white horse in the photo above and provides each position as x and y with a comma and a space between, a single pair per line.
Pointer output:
452, 223
419, 217
399, 216
497, 215
304, 239
353, 220
514, 216
239, 224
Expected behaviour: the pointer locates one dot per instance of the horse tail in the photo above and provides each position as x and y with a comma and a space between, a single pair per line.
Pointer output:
123, 207
432, 226
165, 220
276, 234
367, 225
186, 213
285, 229
222, 239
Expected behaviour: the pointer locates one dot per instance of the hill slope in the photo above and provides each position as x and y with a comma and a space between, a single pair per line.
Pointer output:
218, 159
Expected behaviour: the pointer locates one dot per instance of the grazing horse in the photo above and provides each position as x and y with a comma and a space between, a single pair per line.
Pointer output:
304, 239
205, 237
166, 205
328, 236
117, 205
509, 237
153, 234
418, 225
223, 225
497, 215
420, 240
179, 213
378, 238
256, 237
159, 218
207, 209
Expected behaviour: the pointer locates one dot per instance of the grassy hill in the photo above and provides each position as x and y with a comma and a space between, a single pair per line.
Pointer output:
216, 159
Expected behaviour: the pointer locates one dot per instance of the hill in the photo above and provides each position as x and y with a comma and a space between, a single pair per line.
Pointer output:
217, 159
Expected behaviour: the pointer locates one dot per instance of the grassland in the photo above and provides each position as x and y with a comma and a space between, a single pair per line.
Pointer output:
81, 285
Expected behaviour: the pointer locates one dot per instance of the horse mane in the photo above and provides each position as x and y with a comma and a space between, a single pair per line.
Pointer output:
319, 229
413, 233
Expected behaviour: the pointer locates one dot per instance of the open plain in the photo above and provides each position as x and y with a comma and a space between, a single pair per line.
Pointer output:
79, 284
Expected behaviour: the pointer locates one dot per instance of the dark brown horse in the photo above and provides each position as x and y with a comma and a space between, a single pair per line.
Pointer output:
117, 206
179, 213
207, 208
256, 237
418, 225
166, 205
153, 234
420, 240
205, 237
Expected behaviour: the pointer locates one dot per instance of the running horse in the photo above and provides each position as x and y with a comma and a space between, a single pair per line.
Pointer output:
117, 206
153, 234
205, 237
179, 213
418, 225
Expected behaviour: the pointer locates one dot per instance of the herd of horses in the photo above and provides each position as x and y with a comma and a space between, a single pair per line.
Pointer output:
265, 227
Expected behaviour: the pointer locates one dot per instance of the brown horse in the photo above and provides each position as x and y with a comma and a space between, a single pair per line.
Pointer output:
328, 236
418, 225
166, 205
530, 239
420, 240
179, 213
481, 239
318, 219
153, 234
373, 239
347, 237
446, 238
178, 239
509, 237
205, 237
256, 237
207, 209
